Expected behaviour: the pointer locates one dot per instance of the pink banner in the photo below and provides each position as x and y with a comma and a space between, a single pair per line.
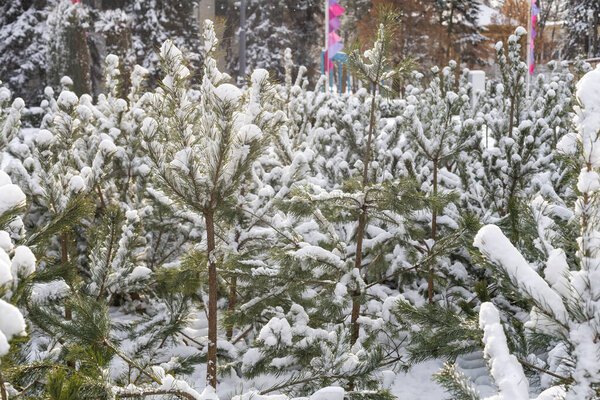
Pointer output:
534, 12
335, 11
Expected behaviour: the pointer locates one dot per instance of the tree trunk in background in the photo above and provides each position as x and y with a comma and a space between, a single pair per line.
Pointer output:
211, 362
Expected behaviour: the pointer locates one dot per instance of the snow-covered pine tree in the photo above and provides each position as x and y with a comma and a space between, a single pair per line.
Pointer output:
330, 282
22, 47
564, 314
67, 51
438, 119
153, 22
464, 40
104, 266
515, 143
582, 20
201, 150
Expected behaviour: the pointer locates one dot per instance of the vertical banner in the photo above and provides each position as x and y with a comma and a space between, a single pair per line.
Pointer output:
334, 42
534, 13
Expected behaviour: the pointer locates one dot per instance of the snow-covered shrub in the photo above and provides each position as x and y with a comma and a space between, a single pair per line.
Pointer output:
564, 294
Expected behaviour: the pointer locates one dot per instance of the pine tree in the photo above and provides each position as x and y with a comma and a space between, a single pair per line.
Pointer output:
438, 119
67, 51
463, 35
563, 314
582, 19
212, 151
22, 47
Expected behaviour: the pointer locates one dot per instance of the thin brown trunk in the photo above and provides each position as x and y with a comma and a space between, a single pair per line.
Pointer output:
512, 115
211, 362
3, 388
449, 32
362, 222
430, 288
64, 259
232, 301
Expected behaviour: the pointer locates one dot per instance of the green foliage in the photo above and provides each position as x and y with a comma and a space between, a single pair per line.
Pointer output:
456, 383
441, 333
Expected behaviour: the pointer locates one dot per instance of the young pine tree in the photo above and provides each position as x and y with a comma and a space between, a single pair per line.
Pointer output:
201, 150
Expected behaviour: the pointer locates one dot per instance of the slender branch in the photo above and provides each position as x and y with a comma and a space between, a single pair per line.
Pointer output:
286, 385
545, 371
243, 335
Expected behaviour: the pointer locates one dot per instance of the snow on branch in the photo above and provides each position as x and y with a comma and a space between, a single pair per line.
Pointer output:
499, 250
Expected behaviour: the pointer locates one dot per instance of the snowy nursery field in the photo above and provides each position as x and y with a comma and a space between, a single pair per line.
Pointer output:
281, 241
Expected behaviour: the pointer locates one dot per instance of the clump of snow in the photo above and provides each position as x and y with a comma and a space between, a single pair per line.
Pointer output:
67, 99
249, 133
4, 179
329, 393
5, 242
140, 273
567, 144
23, 262
227, 92
76, 184
498, 249
588, 88
11, 197
5, 272
11, 323
520, 31
66, 81
277, 330
505, 367
588, 181
44, 138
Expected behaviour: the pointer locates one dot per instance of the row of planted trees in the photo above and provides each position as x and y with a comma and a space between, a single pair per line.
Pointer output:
276, 231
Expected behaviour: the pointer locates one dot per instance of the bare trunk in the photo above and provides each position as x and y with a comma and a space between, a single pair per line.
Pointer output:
362, 222
211, 362
64, 259
511, 116
232, 301
430, 287
449, 33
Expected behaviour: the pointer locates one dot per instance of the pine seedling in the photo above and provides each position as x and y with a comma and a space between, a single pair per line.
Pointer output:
200, 158
563, 299
373, 69
439, 120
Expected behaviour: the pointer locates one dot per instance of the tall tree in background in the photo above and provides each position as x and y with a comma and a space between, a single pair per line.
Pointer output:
271, 27
582, 26
433, 31
154, 21
41, 40
418, 35
22, 48
464, 41
68, 53
268, 35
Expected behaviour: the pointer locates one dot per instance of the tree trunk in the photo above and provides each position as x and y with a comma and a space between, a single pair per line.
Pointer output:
433, 231
211, 362
362, 222
449, 40
232, 301
64, 259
